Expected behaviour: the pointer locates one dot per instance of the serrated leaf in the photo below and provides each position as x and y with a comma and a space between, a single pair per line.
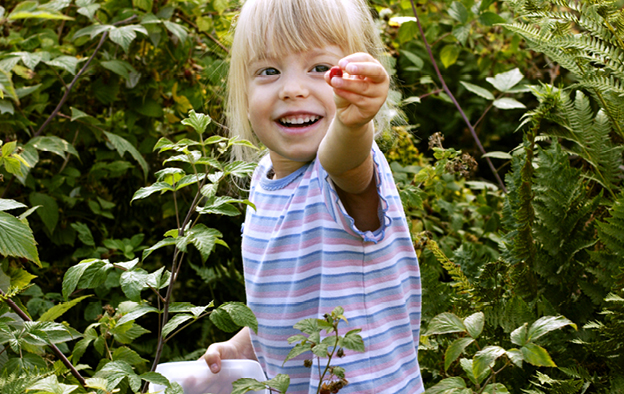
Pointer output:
197, 121
454, 385
353, 341
536, 355
128, 355
136, 312
478, 90
51, 385
115, 371
454, 350
55, 145
231, 316
119, 67
123, 36
84, 234
466, 365
458, 12
485, 358
58, 310
67, 63
16, 239
88, 274
298, 349
151, 189
280, 382
122, 146
240, 168
474, 324
155, 378
516, 357
445, 323
92, 31
505, 81
508, 103
244, 385
133, 282
7, 204
495, 388
158, 245
174, 322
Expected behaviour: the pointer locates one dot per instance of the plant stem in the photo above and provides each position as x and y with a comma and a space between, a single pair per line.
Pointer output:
448, 91
78, 75
55, 349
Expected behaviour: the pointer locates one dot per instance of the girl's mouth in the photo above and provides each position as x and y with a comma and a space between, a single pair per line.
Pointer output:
299, 120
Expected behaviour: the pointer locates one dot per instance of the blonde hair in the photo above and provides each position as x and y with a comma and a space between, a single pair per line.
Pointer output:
292, 26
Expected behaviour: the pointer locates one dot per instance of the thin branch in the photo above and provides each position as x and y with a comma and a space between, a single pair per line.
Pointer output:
448, 91
185, 19
55, 349
78, 75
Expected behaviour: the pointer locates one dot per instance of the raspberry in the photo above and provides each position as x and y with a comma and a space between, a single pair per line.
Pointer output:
335, 72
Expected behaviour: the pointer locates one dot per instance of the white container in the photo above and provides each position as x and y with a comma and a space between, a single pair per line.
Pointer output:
196, 378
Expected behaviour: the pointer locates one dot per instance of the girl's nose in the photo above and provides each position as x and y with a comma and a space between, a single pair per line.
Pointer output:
293, 86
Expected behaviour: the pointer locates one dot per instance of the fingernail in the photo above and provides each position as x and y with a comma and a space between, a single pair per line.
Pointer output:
214, 368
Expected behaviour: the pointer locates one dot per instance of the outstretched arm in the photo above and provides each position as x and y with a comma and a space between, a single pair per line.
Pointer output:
345, 152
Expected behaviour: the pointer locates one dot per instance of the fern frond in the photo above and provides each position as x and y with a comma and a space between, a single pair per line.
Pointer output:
461, 281
611, 231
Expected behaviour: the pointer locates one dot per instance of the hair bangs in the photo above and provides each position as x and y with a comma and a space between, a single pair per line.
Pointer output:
283, 27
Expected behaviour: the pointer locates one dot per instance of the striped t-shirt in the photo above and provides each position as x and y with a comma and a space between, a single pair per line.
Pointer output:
303, 256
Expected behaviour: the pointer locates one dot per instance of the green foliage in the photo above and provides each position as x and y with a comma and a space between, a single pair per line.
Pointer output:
332, 378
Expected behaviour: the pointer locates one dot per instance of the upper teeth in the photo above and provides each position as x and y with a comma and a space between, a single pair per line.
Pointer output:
299, 119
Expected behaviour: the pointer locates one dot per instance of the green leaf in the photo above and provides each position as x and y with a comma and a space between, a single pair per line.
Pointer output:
449, 55
6, 85
175, 388
231, 316
416, 60
16, 239
177, 30
128, 355
507, 103
454, 350
547, 324
536, 355
149, 190
89, 10
280, 382
155, 377
88, 273
445, 323
84, 234
491, 18
466, 365
352, 340
67, 63
307, 326
133, 282
123, 36
486, 358
158, 245
458, 12
55, 145
244, 385
119, 67
498, 155
92, 31
58, 310
474, 324
478, 90
299, 348
7, 204
115, 371
122, 146
453, 385
174, 322
240, 168
202, 237
136, 312
495, 388
503, 82
519, 336
6, 107
131, 334
51, 385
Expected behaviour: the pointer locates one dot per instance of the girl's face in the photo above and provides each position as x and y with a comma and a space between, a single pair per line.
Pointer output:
291, 106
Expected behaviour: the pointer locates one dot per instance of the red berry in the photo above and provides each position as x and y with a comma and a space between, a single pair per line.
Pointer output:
335, 72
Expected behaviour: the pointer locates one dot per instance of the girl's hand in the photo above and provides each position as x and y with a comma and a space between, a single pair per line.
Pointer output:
238, 347
362, 90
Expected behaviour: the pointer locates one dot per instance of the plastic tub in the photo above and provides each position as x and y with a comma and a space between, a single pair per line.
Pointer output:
196, 378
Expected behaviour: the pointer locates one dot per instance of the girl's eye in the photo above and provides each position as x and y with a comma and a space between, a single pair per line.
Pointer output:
321, 68
269, 71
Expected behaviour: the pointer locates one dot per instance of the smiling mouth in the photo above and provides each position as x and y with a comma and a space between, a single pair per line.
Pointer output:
299, 121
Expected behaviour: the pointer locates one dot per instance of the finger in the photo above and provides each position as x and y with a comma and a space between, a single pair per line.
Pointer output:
372, 71
213, 359
361, 87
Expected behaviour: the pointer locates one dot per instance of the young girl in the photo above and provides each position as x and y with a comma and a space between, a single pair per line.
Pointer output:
328, 229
